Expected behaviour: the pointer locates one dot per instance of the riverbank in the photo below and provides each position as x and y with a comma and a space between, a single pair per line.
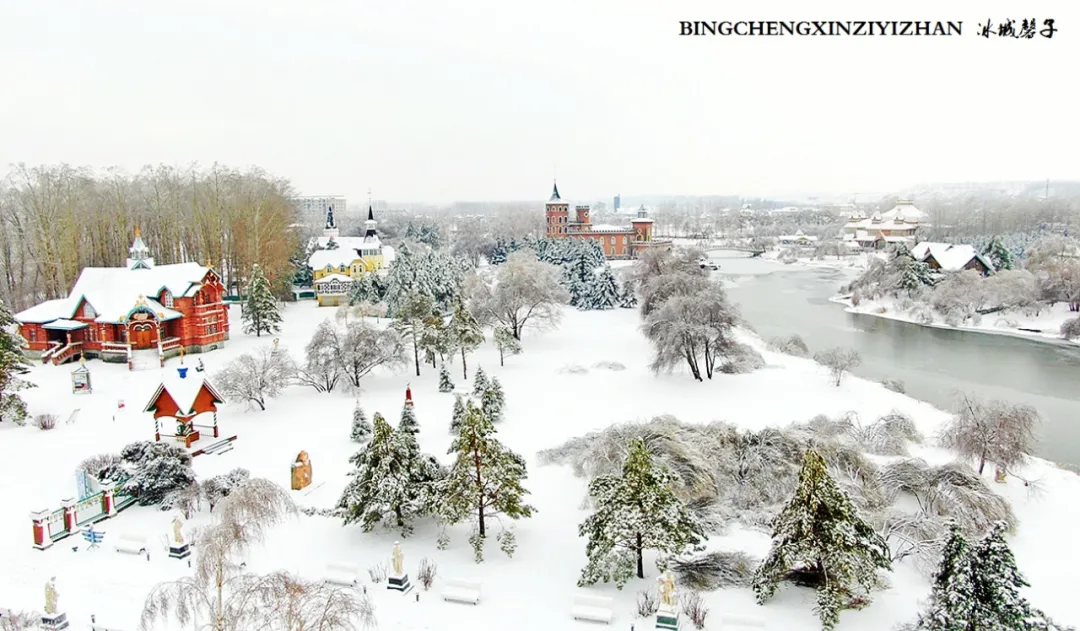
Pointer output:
1045, 327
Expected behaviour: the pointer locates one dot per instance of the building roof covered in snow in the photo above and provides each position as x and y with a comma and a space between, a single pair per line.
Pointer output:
184, 394
951, 258
115, 292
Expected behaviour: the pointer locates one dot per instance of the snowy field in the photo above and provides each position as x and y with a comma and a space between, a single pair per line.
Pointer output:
545, 404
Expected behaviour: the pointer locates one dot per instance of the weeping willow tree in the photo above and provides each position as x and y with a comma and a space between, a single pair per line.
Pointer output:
221, 596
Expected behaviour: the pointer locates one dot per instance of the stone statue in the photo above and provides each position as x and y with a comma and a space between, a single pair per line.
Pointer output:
178, 536
667, 588
397, 557
52, 598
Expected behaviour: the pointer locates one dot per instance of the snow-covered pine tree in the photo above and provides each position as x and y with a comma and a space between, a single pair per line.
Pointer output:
158, 469
408, 423
480, 382
997, 586
627, 297
459, 414
434, 338
331, 244
485, 479
999, 254
445, 385
260, 313
492, 401
412, 318
603, 293
361, 427
506, 343
915, 275
952, 598
819, 540
499, 252
634, 512
12, 364
393, 483
465, 333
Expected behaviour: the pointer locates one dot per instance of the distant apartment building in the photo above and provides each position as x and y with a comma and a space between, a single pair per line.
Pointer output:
313, 209
618, 202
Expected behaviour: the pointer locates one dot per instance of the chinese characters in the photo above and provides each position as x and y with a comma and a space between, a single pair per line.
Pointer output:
1017, 29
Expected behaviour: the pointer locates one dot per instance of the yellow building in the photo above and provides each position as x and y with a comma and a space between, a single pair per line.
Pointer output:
341, 260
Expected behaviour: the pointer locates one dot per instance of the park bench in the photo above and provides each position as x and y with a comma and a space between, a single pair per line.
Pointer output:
595, 608
729, 622
131, 544
342, 574
461, 591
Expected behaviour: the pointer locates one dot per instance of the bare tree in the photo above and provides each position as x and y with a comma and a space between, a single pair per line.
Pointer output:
526, 292
57, 219
838, 361
221, 597
256, 377
364, 348
19, 621
656, 289
322, 368
1070, 329
695, 328
995, 431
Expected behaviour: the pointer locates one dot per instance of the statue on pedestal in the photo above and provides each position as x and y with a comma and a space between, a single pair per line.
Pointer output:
397, 558
667, 588
52, 598
178, 536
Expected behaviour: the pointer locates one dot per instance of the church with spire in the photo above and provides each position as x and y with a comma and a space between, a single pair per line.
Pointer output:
617, 242
337, 261
113, 313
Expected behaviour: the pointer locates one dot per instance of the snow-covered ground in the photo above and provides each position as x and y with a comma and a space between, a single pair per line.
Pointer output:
546, 404
1044, 327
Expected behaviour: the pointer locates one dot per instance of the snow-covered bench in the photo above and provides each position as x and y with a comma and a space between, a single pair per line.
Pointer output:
595, 608
730, 622
342, 574
131, 544
461, 591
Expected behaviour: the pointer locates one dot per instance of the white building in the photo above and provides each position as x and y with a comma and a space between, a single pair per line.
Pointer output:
876, 231
312, 210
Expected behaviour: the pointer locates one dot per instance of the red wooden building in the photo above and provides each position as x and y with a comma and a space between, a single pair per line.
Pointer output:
183, 399
113, 312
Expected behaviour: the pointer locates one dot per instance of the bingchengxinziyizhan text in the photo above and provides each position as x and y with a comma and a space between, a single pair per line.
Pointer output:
1017, 29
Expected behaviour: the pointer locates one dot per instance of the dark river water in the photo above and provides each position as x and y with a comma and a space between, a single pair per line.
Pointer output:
934, 364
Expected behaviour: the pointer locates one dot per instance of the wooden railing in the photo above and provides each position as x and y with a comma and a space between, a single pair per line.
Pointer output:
53, 347
66, 353
170, 343
119, 348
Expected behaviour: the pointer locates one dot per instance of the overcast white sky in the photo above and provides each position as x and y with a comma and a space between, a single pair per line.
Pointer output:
436, 100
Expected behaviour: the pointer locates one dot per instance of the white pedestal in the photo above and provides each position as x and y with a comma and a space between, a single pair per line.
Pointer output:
667, 618
54, 621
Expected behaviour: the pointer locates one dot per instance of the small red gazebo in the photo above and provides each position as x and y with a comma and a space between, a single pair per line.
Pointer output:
183, 399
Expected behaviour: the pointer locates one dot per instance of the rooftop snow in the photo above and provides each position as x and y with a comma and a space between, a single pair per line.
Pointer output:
184, 391
65, 325
114, 291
